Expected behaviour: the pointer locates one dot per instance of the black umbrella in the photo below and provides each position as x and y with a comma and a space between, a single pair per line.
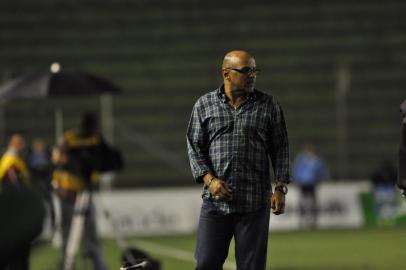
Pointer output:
42, 85
54, 84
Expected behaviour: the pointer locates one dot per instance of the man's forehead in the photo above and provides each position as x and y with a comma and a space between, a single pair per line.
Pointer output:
250, 61
239, 60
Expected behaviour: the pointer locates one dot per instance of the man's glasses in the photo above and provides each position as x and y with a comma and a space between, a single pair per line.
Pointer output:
246, 70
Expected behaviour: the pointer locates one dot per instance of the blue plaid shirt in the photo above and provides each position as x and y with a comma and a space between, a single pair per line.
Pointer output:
235, 146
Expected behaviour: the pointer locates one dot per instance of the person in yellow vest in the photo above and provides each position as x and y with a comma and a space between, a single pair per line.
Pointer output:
77, 160
21, 211
13, 169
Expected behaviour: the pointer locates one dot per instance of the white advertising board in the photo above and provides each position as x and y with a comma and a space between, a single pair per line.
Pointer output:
160, 211
338, 206
176, 210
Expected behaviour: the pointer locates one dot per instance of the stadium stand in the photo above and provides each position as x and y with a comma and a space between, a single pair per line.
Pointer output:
164, 54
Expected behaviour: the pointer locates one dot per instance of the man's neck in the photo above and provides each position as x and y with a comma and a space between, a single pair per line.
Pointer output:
235, 97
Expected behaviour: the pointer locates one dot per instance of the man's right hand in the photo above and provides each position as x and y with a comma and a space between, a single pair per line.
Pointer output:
218, 188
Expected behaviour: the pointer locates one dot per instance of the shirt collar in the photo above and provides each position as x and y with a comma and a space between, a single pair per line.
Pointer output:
222, 96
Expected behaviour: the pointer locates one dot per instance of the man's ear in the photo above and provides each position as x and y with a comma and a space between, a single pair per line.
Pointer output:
225, 74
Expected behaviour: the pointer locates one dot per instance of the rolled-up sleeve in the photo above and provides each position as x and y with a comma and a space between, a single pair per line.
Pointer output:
279, 153
197, 145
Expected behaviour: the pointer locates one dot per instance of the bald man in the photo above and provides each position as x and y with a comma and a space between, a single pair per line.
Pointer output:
402, 152
233, 132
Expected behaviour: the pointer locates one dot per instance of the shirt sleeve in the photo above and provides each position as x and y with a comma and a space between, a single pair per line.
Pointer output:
279, 149
197, 145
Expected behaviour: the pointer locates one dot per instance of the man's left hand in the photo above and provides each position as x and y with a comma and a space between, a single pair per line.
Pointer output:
278, 203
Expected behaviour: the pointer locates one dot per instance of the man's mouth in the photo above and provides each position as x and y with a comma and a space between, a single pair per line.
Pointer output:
250, 83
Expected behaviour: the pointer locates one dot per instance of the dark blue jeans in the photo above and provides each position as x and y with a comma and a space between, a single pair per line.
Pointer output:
250, 231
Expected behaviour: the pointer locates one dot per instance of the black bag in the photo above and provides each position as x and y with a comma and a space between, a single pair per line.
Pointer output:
111, 159
140, 256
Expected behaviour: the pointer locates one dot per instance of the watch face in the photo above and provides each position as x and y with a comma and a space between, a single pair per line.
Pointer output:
283, 189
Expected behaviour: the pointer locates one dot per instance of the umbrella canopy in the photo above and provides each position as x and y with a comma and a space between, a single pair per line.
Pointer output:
42, 85
54, 84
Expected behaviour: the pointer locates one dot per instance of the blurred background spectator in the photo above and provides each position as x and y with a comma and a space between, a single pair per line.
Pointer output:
14, 171
78, 161
21, 209
307, 171
384, 192
40, 166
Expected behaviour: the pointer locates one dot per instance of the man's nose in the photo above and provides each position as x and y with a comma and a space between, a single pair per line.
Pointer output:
252, 74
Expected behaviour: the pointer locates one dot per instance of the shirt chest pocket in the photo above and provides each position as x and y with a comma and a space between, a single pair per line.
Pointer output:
218, 121
254, 124
218, 125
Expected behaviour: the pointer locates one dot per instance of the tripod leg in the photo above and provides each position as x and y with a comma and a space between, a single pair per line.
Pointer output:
76, 229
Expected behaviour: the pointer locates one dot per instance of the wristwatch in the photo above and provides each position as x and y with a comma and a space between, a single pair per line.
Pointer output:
403, 191
282, 188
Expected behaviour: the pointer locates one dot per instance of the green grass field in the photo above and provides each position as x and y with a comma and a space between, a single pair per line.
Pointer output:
366, 249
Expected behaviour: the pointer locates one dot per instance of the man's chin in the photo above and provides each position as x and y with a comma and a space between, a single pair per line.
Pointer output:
249, 89
243, 91
239, 92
